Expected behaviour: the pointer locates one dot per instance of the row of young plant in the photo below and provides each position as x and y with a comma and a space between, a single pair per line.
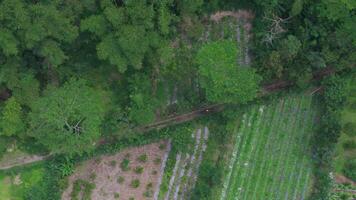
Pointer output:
183, 166
332, 100
271, 142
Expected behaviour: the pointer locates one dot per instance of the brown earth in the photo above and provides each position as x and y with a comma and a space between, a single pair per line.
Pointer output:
106, 175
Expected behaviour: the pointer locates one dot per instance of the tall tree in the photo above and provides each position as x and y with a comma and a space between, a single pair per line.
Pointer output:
222, 79
67, 119
125, 32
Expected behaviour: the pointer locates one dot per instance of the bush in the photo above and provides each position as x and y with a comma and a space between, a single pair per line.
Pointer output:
350, 129
80, 185
327, 135
3, 145
142, 158
113, 163
349, 145
350, 169
157, 161
125, 164
120, 179
139, 170
135, 183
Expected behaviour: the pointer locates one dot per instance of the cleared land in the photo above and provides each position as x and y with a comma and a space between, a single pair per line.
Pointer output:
134, 173
271, 158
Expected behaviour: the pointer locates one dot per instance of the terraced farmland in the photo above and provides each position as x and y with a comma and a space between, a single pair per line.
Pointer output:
271, 157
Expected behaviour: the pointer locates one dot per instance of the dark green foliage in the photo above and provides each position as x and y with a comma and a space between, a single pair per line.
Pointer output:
327, 135
350, 169
113, 163
120, 179
84, 187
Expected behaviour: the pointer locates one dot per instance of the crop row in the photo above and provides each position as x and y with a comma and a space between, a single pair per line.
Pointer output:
186, 168
271, 157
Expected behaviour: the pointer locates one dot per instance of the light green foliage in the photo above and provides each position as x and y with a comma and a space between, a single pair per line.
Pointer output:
297, 7
222, 79
270, 158
8, 42
67, 119
11, 122
335, 10
52, 52
164, 16
27, 89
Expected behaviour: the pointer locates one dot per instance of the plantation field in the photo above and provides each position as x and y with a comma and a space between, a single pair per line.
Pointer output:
133, 173
271, 157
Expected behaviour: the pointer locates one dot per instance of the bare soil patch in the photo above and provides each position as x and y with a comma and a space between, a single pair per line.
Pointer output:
240, 14
139, 180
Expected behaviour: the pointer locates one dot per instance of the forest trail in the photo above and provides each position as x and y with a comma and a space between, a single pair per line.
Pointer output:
22, 160
210, 109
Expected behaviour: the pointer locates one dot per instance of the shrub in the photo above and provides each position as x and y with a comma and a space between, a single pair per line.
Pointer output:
80, 185
92, 176
120, 179
113, 163
349, 145
149, 185
157, 161
162, 146
139, 170
148, 193
116, 195
142, 158
125, 164
350, 129
350, 169
135, 183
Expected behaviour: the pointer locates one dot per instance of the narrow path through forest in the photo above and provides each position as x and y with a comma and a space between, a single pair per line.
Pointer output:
206, 110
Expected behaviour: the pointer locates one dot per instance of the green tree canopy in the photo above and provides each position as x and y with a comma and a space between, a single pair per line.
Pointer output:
222, 79
11, 122
67, 119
